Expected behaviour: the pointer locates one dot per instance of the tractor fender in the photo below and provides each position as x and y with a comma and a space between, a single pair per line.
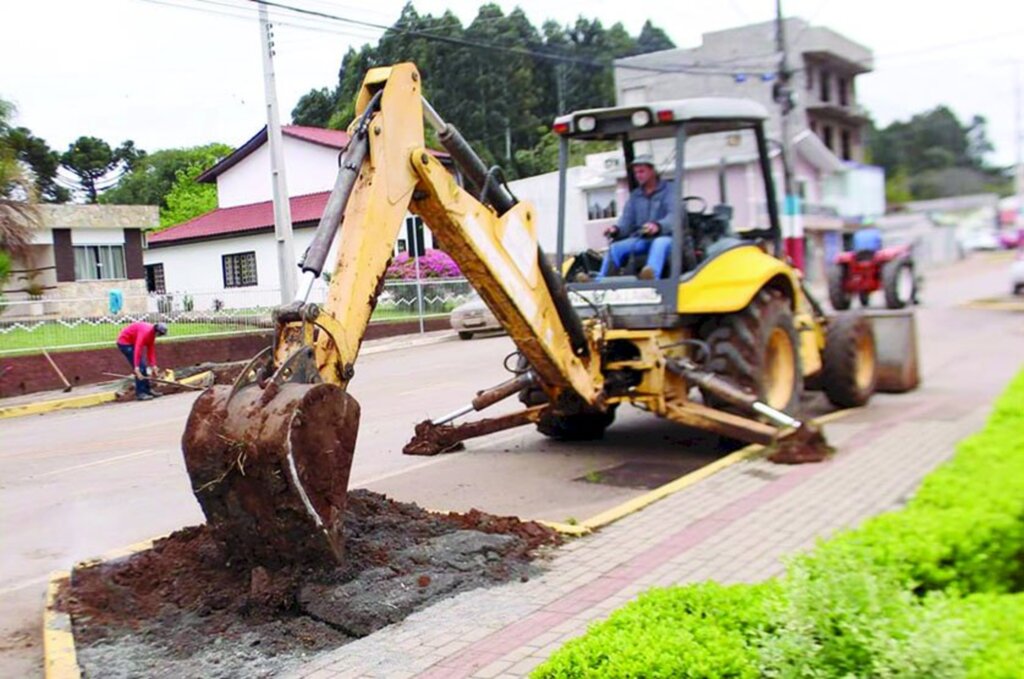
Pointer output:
729, 282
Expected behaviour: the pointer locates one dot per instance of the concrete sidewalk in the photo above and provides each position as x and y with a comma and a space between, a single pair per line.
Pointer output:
732, 527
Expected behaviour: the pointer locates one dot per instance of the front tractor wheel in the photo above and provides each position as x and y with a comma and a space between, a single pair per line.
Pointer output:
758, 349
586, 426
899, 284
837, 293
849, 364
576, 427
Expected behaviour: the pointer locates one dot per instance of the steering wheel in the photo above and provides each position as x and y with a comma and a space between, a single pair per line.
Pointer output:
703, 204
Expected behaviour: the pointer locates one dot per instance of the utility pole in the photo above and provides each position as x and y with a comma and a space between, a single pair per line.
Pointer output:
286, 263
792, 220
1018, 174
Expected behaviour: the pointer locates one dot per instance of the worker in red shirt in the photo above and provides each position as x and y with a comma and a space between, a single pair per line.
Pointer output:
138, 343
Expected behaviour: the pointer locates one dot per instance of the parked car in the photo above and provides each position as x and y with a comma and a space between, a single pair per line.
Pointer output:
473, 316
1017, 273
979, 239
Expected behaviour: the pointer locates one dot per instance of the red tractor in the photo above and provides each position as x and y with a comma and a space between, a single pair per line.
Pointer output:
869, 267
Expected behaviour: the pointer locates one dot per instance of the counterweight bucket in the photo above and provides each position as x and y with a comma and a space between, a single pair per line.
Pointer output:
270, 468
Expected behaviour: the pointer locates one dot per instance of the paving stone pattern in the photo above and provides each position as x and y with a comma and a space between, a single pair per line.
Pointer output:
735, 526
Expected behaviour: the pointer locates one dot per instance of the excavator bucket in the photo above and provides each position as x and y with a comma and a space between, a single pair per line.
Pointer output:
270, 465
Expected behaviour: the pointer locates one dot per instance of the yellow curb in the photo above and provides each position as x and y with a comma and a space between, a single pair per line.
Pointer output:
85, 401
58, 404
60, 661
564, 528
636, 504
59, 658
994, 305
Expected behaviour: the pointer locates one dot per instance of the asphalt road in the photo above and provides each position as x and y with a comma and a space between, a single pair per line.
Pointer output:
75, 484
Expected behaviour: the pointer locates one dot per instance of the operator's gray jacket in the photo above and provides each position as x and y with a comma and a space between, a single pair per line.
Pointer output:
641, 208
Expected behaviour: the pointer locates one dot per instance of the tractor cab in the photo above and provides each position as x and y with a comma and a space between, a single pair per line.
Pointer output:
712, 155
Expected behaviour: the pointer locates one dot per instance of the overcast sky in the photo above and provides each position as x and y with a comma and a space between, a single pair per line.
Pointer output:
164, 75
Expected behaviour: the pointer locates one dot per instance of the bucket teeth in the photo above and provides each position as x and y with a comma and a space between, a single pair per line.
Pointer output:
270, 468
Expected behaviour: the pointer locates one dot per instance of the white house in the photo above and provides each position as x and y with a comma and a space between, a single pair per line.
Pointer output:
78, 256
228, 257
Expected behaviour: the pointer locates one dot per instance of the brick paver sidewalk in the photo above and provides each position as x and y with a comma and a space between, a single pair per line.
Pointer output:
731, 527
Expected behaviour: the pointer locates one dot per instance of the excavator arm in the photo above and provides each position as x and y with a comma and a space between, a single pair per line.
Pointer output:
269, 457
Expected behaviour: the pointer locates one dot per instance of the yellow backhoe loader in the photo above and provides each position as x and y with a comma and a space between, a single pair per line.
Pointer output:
725, 340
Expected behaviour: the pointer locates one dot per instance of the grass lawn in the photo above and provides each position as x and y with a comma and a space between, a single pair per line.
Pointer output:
54, 336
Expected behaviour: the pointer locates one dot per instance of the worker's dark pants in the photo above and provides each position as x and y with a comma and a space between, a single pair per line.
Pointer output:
141, 386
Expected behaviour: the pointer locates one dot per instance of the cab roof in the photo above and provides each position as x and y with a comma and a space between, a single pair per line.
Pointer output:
701, 114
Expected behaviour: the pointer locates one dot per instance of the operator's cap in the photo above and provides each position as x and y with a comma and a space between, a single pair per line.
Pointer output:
643, 159
161, 328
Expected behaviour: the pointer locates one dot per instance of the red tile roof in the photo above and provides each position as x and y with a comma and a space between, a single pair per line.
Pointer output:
318, 135
239, 219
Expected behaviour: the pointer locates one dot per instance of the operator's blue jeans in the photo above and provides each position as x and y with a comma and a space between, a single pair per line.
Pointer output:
141, 386
657, 250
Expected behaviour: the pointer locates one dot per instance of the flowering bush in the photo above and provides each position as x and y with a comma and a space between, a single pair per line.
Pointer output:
433, 264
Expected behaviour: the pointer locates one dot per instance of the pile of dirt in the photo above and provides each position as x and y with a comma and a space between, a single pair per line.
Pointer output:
182, 609
223, 373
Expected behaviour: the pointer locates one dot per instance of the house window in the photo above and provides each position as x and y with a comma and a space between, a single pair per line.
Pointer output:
810, 78
827, 137
99, 262
239, 270
843, 98
155, 278
601, 204
416, 239
801, 188
826, 86
847, 147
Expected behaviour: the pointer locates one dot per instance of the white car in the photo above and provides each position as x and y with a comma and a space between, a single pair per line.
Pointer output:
979, 239
473, 316
1017, 273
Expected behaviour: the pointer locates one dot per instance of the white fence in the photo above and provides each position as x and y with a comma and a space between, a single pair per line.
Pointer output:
26, 327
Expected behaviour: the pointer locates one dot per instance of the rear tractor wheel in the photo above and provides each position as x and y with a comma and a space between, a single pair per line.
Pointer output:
837, 293
849, 366
758, 349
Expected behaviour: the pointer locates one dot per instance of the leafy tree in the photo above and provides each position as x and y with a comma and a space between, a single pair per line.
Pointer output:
97, 166
544, 156
154, 176
934, 155
315, 108
188, 198
499, 79
43, 162
17, 215
653, 39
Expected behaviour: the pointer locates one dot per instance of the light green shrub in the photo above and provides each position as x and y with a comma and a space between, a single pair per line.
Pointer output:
930, 591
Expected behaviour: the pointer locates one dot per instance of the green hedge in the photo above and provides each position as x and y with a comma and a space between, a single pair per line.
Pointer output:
927, 591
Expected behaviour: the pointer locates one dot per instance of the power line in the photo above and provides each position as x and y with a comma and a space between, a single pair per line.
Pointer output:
244, 14
546, 53
551, 56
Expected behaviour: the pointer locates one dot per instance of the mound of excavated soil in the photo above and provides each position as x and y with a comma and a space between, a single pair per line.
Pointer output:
181, 609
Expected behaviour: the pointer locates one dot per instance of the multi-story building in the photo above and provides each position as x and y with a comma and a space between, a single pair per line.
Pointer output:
742, 62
